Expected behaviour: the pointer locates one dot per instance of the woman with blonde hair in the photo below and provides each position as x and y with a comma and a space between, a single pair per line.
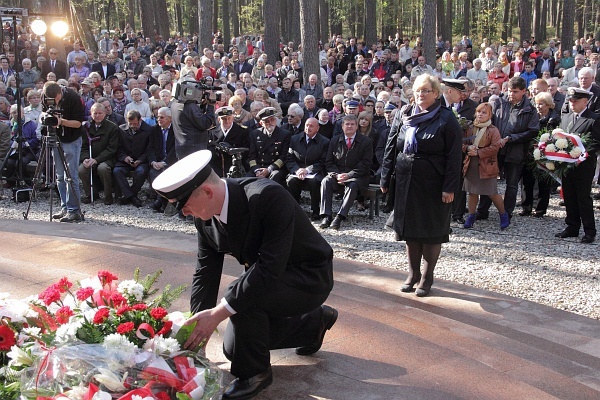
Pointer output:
480, 166
239, 114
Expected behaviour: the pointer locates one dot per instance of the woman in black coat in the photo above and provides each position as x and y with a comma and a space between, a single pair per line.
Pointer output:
424, 157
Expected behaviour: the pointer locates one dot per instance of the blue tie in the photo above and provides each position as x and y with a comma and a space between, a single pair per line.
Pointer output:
165, 133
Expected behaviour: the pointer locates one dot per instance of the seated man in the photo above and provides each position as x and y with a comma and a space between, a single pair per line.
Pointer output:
132, 156
268, 148
161, 152
103, 137
29, 149
348, 167
306, 163
227, 131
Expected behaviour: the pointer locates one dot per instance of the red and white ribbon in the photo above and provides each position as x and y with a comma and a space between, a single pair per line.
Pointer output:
564, 156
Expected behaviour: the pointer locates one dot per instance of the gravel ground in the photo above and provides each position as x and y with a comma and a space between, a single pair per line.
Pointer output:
525, 261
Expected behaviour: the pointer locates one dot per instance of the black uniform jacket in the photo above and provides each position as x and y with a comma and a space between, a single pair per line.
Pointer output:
311, 155
268, 233
268, 150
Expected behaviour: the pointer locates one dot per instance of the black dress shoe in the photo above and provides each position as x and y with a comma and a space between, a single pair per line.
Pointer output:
157, 205
136, 201
325, 222
539, 214
60, 214
125, 200
525, 213
587, 238
597, 196
566, 234
315, 216
328, 318
72, 217
336, 223
459, 220
247, 388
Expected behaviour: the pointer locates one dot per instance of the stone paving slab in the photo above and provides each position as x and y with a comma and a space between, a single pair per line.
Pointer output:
458, 343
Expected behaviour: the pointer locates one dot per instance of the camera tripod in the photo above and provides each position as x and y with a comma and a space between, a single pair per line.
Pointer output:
237, 169
45, 173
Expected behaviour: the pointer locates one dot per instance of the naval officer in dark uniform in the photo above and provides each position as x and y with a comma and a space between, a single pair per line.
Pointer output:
577, 182
268, 148
230, 133
277, 302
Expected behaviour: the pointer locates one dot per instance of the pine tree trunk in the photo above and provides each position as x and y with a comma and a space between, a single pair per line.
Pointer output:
324, 21
272, 33
525, 19
544, 19
447, 35
428, 33
215, 18
309, 38
537, 20
235, 19
440, 20
226, 23
147, 19
568, 24
130, 15
294, 23
467, 17
205, 13
370, 27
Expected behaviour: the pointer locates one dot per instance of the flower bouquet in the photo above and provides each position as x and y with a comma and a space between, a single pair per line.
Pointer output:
105, 340
557, 151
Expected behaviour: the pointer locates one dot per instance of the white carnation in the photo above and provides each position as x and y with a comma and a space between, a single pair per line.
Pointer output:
550, 166
117, 342
550, 148
544, 138
557, 130
161, 345
537, 154
66, 332
131, 288
562, 144
576, 152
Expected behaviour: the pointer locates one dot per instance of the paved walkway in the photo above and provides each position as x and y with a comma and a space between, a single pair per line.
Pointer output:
459, 343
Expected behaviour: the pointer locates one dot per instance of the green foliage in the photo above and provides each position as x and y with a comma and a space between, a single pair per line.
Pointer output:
251, 18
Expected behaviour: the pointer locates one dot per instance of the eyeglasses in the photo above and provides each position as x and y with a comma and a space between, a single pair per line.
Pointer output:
423, 91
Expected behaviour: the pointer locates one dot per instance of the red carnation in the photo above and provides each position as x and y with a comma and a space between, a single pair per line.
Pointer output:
101, 315
63, 314
122, 310
125, 327
117, 299
7, 338
166, 329
63, 285
139, 307
84, 293
158, 313
106, 277
162, 396
50, 295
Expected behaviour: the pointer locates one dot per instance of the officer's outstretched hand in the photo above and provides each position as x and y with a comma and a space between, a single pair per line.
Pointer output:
206, 323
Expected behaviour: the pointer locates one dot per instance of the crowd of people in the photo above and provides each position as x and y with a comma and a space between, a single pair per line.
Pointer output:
135, 128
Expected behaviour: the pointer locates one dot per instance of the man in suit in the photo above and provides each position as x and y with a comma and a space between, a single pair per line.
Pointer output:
571, 75
161, 151
268, 148
103, 67
331, 70
348, 167
314, 87
242, 65
543, 63
230, 133
306, 164
577, 182
277, 302
103, 136
52, 64
558, 97
295, 119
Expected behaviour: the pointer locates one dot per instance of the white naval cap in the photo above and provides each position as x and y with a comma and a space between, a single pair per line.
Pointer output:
178, 181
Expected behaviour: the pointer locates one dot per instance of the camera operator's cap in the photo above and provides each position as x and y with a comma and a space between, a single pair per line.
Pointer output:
454, 83
352, 104
224, 111
177, 182
266, 112
389, 107
578, 93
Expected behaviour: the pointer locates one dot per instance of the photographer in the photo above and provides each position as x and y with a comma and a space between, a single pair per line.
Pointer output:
192, 118
64, 113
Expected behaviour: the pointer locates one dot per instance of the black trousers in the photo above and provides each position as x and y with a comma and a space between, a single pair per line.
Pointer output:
544, 187
296, 185
284, 318
577, 188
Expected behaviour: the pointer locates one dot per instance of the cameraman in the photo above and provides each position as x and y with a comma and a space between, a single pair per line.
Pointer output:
232, 135
191, 121
68, 132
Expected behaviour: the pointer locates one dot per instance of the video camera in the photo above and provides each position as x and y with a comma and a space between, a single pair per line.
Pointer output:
49, 117
226, 148
197, 91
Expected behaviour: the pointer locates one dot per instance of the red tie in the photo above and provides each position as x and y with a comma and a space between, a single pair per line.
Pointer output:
349, 143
